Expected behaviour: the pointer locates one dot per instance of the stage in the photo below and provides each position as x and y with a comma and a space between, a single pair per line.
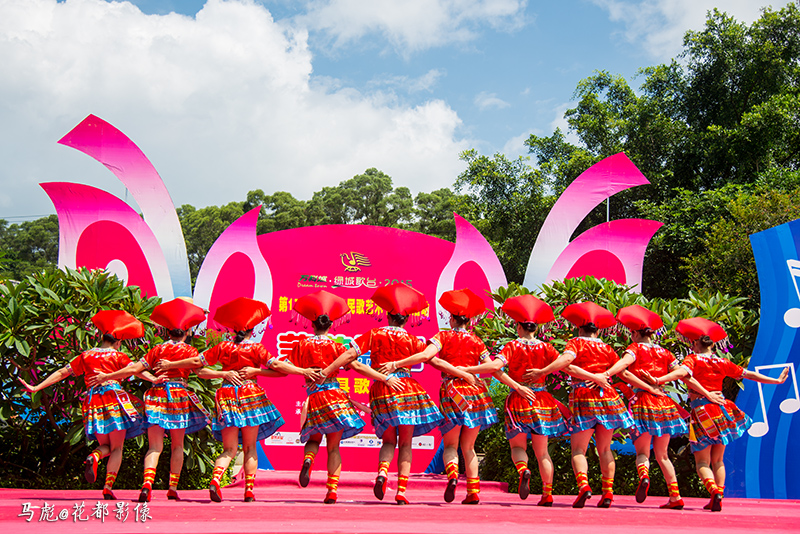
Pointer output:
282, 506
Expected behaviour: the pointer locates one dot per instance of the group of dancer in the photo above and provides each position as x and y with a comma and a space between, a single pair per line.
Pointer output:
400, 408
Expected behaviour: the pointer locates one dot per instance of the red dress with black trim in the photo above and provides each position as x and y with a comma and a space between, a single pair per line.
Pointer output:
411, 406
544, 415
171, 405
461, 403
712, 424
107, 407
328, 408
246, 405
591, 406
653, 414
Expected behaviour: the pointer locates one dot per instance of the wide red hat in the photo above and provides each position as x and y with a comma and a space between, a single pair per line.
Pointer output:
319, 303
241, 314
697, 327
118, 323
178, 314
528, 309
399, 299
462, 302
588, 312
636, 317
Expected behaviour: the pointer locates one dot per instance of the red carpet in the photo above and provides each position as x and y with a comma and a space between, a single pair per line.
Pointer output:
283, 506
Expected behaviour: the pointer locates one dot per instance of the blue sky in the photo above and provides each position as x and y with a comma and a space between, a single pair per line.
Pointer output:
229, 96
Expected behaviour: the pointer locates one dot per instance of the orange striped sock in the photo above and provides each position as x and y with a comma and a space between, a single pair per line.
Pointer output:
149, 477
452, 470
710, 485
643, 470
97, 455
582, 479
383, 469
473, 485
521, 466
249, 481
402, 482
720, 489
673, 490
310, 456
110, 479
174, 478
608, 485
333, 483
217, 473
547, 488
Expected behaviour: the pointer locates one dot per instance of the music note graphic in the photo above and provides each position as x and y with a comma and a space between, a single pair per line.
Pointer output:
792, 315
790, 405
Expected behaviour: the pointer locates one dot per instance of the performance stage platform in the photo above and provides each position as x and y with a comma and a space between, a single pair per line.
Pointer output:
283, 507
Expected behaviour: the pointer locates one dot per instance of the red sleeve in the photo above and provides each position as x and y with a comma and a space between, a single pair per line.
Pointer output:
734, 371
418, 345
611, 355
211, 356
551, 353
365, 342
263, 355
151, 356
689, 362
295, 356
122, 360
480, 346
573, 346
77, 365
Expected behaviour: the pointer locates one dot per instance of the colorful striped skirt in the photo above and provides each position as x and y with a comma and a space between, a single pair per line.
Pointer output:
656, 415
712, 424
591, 407
243, 406
107, 408
172, 406
411, 406
462, 404
543, 416
329, 410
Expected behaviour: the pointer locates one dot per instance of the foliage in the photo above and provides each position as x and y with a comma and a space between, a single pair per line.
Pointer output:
28, 247
44, 322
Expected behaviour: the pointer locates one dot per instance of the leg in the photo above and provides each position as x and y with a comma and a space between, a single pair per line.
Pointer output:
661, 451
602, 437
334, 466
249, 444
404, 435
450, 458
385, 456
702, 461
718, 466
546, 470
579, 442
93, 460
642, 446
310, 451
468, 437
175, 462
155, 441
519, 455
116, 440
230, 444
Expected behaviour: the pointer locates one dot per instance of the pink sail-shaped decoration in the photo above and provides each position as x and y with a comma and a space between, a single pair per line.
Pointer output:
98, 230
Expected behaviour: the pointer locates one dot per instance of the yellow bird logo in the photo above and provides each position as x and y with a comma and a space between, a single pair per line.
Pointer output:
354, 262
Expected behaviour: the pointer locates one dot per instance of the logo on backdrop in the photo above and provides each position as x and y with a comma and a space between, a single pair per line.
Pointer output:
354, 262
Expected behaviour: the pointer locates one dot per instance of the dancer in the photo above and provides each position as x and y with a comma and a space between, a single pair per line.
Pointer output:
110, 415
531, 412
596, 407
401, 409
169, 405
245, 414
464, 401
717, 422
329, 410
657, 417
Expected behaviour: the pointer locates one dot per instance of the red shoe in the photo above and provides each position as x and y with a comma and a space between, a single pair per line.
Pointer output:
108, 495
525, 484
380, 487
546, 500
641, 490
716, 502
450, 490
214, 491
91, 469
400, 499
305, 473
249, 496
606, 501
172, 495
584, 495
673, 505
472, 498
144, 495
330, 498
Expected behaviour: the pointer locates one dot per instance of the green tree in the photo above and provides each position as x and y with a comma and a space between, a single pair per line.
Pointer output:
201, 228
29, 246
434, 214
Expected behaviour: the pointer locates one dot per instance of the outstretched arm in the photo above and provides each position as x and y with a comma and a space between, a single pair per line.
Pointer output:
54, 378
758, 377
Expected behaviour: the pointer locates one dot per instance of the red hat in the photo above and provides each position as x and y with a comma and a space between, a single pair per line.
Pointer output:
636, 318
697, 327
118, 323
241, 314
399, 299
319, 303
178, 314
588, 312
462, 302
528, 309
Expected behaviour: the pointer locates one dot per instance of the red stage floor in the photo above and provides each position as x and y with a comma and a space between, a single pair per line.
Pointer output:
283, 506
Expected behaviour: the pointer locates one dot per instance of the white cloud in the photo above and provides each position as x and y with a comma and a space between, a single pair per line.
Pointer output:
411, 25
421, 84
486, 101
560, 121
659, 26
221, 104
516, 147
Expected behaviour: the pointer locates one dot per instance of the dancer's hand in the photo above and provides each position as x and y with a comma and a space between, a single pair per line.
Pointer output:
716, 397
30, 388
234, 378
527, 393
649, 378
601, 379
247, 373
388, 368
784, 375
469, 378
657, 391
96, 380
314, 375
532, 375
162, 365
394, 383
